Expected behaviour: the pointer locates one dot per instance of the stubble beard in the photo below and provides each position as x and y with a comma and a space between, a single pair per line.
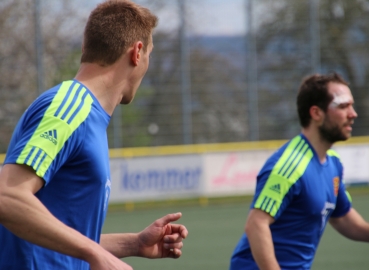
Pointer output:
331, 133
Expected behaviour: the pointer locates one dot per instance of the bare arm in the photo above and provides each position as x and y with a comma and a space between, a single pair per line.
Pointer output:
19, 206
352, 225
120, 244
161, 239
260, 238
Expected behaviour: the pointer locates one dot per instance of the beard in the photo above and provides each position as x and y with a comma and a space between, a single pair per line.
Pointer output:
331, 133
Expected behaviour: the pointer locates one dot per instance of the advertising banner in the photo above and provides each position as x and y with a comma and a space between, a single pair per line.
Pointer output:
163, 177
233, 173
355, 160
210, 174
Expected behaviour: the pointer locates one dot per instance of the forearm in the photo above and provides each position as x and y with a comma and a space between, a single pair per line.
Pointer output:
25, 216
121, 245
352, 226
360, 232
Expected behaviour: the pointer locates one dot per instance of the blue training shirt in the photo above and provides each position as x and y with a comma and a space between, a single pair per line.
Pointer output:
301, 194
62, 136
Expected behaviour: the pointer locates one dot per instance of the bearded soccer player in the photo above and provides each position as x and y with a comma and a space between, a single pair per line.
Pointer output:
301, 187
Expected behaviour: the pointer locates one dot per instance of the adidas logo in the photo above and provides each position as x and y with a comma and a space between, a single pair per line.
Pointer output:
50, 135
276, 188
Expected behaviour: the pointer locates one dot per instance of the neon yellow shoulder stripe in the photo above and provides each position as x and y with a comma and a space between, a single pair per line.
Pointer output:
348, 196
69, 108
288, 169
333, 153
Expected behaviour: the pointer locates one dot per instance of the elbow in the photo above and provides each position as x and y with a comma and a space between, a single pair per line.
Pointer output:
3, 206
258, 221
248, 227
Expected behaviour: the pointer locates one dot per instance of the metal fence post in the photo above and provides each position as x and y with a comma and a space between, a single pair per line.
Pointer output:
252, 75
38, 46
315, 35
185, 77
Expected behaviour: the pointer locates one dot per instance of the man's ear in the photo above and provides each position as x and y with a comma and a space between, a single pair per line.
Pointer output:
136, 52
316, 113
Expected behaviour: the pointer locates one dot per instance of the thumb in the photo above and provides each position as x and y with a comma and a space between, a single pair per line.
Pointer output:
169, 218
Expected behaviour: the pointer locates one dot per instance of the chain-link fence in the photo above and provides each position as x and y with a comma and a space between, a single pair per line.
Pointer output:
218, 73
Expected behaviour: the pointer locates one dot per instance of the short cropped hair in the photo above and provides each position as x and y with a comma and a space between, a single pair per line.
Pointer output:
112, 27
313, 91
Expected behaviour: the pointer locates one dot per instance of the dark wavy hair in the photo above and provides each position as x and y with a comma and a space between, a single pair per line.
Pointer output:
313, 91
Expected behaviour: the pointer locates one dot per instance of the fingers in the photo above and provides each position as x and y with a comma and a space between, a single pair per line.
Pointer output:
180, 229
169, 218
174, 253
173, 245
173, 238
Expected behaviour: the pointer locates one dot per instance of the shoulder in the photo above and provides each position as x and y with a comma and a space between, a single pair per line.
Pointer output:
63, 108
333, 153
294, 157
288, 164
335, 159
72, 101
41, 103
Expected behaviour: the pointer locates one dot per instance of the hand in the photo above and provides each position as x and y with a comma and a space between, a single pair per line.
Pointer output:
162, 239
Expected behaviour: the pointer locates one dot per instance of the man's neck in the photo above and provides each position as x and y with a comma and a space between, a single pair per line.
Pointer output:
100, 81
320, 145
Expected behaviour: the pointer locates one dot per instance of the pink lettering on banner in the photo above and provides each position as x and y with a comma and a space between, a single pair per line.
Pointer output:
230, 175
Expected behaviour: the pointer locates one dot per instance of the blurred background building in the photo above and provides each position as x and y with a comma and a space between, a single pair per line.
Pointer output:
221, 71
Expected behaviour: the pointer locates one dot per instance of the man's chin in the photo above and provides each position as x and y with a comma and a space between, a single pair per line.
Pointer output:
348, 136
343, 137
126, 101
